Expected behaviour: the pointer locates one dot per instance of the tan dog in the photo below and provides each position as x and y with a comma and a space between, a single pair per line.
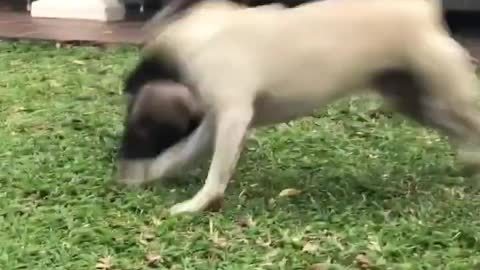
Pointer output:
251, 67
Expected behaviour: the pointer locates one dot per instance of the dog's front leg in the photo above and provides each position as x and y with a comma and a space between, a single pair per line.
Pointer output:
231, 130
182, 155
171, 161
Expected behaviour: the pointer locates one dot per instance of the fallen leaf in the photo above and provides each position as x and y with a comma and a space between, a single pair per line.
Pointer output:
272, 254
157, 221
310, 247
104, 263
362, 261
374, 244
283, 127
263, 243
271, 202
54, 83
148, 236
78, 62
318, 266
289, 192
153, 259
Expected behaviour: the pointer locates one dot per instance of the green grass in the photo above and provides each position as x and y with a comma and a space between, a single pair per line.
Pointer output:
372, 183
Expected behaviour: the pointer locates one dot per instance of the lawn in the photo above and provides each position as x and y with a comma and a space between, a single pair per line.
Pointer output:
375, 191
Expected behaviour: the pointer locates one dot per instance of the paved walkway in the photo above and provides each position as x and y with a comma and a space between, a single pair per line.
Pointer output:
19, 25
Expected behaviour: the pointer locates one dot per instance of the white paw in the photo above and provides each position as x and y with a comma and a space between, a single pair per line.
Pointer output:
158, 173
195, 205
132, 172
131, 182
185, 207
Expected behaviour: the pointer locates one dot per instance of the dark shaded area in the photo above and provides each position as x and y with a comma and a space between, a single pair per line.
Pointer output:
465, 27
464, 23
13, 5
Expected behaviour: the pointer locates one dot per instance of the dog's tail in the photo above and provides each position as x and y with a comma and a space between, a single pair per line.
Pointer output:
437, 6
162, 17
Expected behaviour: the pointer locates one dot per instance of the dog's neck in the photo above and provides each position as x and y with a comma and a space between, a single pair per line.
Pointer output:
184, 32
179, 10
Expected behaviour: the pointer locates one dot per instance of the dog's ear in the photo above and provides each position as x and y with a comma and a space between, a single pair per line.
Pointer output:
152, 67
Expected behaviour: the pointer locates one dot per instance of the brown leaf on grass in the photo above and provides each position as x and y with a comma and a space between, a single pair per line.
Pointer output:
273, 256
363, 262
310, 247
153, 260
104, 263
157, 221
78, 62
271, 202
54, 83
318, 266
148, 236
264, 243
283, 127
289, 192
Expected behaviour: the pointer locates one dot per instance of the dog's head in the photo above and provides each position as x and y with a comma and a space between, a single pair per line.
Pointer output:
160, 113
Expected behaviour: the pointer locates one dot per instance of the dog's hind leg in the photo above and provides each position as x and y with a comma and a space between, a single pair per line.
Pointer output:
231, 129
439, 92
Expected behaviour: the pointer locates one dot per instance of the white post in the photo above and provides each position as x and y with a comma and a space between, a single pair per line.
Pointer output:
100, 10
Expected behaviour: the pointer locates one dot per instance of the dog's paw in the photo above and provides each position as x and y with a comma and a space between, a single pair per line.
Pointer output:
132, 173
185, 207
130, 182
193, 206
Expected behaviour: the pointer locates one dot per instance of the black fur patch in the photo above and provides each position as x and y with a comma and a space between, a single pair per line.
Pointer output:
151, 69
146, 137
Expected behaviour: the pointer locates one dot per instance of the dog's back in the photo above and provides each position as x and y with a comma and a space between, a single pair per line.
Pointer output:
332, 47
